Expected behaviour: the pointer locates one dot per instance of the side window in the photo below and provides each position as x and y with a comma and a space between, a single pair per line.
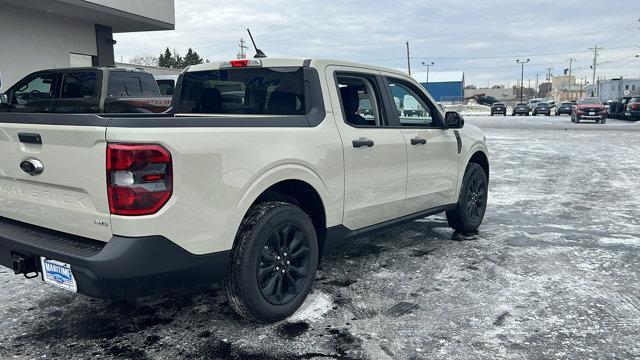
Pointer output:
166, 87
79, 85
412, 109
132, 84
34, 88
360, 104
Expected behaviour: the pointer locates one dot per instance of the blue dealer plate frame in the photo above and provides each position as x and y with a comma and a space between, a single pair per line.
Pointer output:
58, 274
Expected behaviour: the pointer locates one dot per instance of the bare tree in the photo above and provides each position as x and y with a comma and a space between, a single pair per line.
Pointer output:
144, 60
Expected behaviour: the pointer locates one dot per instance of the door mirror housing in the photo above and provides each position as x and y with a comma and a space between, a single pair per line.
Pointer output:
4, 99
453, 120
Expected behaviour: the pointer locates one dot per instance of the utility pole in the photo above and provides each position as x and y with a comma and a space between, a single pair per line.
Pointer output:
537, 83
595, 65
522, 62
408, 59
570, 69
242, 54
529, 88
428, 65
550, 88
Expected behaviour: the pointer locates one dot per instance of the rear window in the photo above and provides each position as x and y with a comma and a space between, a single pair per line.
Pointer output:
132, 84
251, 91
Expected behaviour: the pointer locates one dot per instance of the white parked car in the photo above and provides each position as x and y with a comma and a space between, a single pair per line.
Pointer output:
261, 166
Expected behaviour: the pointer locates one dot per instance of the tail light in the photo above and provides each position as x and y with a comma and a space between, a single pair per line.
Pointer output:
635, 106
139, 178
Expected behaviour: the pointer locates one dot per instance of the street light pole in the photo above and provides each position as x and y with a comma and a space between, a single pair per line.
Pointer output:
428, 65
522, 62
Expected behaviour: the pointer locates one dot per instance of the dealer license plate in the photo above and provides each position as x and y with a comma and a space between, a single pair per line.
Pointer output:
58, 274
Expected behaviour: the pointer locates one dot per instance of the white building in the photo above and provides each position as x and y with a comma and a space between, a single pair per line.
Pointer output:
42, 34
615, 88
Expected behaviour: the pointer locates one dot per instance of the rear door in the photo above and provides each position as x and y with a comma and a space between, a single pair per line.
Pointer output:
79, 92
70, 193
375, 156
432, 150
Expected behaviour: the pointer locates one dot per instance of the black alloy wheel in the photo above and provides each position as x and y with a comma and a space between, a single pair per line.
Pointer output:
283, 265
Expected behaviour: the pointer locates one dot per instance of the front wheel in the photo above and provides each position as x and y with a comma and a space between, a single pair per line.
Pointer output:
273, 262
472, 203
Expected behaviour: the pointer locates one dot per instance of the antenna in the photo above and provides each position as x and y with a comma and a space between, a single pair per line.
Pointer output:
259, 53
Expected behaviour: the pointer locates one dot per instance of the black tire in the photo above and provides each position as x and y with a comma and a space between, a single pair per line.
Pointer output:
472, 203
264, 236
604, 121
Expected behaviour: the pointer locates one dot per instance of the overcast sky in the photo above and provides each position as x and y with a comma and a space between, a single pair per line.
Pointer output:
483, 38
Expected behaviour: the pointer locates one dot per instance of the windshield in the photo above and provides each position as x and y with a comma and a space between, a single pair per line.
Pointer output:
542, 104
252, 91
589, 101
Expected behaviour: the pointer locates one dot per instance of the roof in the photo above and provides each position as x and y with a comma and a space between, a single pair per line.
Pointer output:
294, 62
121, 16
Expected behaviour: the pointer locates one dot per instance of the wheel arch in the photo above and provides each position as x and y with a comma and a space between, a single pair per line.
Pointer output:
480, 157
300, 186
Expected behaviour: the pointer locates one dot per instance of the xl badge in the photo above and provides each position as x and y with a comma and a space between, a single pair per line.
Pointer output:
32, 167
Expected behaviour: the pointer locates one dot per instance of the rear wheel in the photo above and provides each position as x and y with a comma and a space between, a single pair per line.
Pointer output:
472, 203
273, 262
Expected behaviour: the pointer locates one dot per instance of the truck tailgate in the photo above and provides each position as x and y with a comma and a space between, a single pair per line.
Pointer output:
70, 195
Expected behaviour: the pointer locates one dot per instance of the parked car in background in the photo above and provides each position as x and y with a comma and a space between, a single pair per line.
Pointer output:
85, 90
565, 108
166, 84
633, 109
541, 108
618, 108
520, 109
498, 108
533, 103
589, 108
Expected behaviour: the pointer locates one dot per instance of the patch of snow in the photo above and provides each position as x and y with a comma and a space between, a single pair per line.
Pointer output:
314, 308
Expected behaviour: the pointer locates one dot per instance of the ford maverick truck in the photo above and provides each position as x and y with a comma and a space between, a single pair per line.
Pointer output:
257, 168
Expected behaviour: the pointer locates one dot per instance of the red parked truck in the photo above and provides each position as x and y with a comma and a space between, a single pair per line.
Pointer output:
589, 108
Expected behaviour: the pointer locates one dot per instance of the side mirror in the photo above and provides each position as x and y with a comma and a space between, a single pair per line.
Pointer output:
4, 99
453, 120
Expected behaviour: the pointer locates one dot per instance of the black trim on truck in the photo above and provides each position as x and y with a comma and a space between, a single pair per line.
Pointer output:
338, 235
122, 267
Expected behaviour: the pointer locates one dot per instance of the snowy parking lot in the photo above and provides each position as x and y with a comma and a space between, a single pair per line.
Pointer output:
553, 273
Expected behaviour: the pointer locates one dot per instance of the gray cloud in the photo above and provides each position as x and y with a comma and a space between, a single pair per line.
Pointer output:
483, 38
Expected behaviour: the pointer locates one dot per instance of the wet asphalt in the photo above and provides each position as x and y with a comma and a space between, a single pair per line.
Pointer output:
553, 273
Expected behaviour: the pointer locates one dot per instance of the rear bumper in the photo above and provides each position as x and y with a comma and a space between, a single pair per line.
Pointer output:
123, 267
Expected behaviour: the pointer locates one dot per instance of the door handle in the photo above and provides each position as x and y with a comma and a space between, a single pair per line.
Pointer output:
418, 141
362, 142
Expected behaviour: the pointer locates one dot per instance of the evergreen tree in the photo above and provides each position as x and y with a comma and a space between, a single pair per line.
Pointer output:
192, 58
166, 59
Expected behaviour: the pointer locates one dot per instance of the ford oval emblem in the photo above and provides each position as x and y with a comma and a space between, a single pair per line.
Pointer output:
32, 167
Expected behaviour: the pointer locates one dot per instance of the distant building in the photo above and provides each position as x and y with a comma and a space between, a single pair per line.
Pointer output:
615, 88
444, 86
43, 34
564, 88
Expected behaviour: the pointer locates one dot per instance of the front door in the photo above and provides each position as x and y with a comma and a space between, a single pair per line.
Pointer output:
375, 156
432, 151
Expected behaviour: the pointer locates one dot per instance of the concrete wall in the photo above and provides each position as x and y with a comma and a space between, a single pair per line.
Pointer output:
31, 41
